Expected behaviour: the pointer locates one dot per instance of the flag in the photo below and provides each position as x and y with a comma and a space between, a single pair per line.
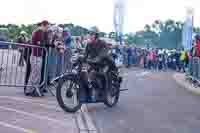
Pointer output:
187, 35
187, 32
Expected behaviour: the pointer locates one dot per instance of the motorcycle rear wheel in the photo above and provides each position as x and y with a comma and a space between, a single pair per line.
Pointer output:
68, 93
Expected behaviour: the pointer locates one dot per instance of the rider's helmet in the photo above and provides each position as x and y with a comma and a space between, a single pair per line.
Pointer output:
23, 33
66, 29
95, 31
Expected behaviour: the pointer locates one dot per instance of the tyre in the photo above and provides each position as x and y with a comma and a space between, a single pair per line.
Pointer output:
112, 93
68, 88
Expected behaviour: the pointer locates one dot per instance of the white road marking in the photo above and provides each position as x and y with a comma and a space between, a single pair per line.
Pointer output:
16, 127
125, 74
37, 100
88, 119
80, 123
142, 74
33, 115
31, 102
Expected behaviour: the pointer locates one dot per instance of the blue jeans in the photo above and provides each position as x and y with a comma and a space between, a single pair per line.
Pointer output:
59, 64
130, 60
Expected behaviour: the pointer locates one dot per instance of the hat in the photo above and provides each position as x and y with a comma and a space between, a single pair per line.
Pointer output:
44, 22
94, 29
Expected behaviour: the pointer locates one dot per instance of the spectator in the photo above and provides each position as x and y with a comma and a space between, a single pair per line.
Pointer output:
197, 46
177, 60
150, 59
68, 52
160, 61
67, 37
182, 60
130, 55
56, 56
78, 44
191, 55
125, 59
22, 39
39, 38
25, 56
165, 60
154, 59
84, 42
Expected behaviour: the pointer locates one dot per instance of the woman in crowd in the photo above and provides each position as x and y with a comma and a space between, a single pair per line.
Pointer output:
78, 44
56, 54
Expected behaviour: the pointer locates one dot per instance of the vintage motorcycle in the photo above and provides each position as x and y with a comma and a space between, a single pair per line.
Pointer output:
88, 82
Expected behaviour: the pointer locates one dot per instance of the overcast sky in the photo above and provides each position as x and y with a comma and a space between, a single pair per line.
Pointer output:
95, 12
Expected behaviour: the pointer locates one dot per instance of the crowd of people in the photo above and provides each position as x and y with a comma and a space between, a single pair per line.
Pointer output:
49, 39
157, 59
51, 48
59, 44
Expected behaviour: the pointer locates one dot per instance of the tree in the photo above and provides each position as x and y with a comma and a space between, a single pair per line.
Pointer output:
147, 28
112, 35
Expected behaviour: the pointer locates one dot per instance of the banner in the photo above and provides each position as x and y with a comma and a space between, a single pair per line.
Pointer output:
118, 18
187, 31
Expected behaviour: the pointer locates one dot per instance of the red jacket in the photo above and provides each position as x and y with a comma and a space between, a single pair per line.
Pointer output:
197, 49
39, 38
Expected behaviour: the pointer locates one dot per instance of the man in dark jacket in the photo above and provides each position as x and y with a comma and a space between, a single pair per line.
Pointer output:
25, 55
22, 39
97, 51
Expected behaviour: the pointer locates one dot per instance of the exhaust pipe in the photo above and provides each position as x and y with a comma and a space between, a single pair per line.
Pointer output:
123, 89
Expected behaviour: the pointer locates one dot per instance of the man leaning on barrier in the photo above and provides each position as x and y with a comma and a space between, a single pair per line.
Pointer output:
39, 38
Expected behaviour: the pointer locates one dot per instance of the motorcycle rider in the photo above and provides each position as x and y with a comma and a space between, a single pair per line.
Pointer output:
97, 49
97, 52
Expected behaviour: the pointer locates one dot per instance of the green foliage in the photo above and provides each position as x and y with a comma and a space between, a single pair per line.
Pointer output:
112, 35
161, 34
14, 30
167, 34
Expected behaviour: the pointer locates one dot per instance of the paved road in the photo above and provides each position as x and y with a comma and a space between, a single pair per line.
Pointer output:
20, 114
154, 103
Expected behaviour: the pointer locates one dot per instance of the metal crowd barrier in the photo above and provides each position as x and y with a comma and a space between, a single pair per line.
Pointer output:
60, 63
16, 67
194, 69
17, 64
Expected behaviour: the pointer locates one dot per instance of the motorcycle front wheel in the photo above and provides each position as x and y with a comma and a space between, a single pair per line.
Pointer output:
67, 94
112, 93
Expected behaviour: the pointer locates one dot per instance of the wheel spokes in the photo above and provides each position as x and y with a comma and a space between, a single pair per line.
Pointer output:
70, 96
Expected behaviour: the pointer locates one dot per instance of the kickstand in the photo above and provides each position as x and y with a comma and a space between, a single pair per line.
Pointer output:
38, 91
49, 90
